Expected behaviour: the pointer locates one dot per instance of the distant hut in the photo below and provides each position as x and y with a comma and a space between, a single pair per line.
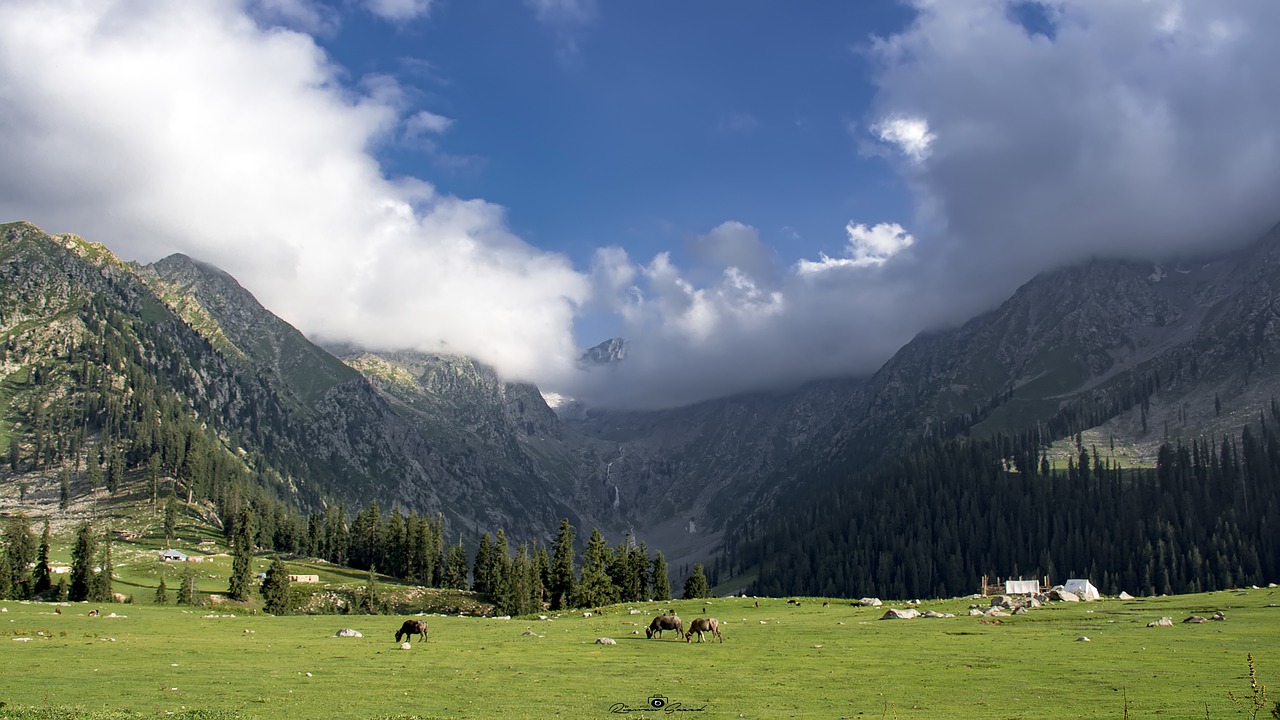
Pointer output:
172, 556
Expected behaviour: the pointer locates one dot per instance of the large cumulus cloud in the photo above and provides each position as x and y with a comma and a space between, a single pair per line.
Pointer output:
1032, 135
160, 126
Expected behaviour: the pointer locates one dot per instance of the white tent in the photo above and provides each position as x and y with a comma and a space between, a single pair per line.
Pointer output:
1083, 588
1021, 587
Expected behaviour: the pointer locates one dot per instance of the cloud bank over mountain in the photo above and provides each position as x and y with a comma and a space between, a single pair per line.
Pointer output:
1030, 135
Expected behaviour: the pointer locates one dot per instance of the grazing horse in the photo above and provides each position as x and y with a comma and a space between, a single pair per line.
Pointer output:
664, 622
412, 627
701, 625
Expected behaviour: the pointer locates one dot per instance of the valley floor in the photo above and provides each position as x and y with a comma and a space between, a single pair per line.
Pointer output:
779, 659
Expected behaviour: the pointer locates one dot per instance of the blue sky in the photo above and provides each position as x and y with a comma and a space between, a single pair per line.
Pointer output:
649, 122
754, 194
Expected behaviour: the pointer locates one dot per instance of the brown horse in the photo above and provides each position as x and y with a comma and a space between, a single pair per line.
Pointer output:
664, 622
412, 627
701, 625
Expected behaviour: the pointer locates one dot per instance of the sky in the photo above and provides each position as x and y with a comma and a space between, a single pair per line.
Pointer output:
754, 194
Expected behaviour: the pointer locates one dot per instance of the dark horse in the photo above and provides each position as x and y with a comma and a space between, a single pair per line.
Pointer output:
412, 627
664, 622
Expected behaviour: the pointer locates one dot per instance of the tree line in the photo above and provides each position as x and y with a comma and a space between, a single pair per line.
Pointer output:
933, 519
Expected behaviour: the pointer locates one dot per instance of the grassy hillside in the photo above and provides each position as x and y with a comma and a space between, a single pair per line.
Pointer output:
777, 660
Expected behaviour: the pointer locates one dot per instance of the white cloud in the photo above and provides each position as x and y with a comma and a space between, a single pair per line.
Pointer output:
305, 15
425, 122
189, 127
1136, 129
563, 12
867, 248
399, 10
909, 134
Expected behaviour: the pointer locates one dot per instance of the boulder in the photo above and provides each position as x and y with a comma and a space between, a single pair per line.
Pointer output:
935, 614
895, 614
975, 612
1162, 622
1020, 610
1063, 595
1003, 601
1218, 616
405, 645
996, 612
1196, 619
869, 602
348, 632
606, 641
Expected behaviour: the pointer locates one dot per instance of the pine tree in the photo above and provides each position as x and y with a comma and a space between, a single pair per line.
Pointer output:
455, 567
41, 573
501, 564
82, 557
661, 580
482, 570
242, 555
21, 551
170, 520
95, 472
6, 576
162, 593
275, 589
187, 588
115, 471
64, 489
595, 588
696, 585
372, 603
100, 589
561, 580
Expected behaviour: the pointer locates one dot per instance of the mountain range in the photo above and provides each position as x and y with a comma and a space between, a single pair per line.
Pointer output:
1131, 353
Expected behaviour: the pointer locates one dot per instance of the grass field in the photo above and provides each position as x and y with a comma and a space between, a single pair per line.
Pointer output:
777, 661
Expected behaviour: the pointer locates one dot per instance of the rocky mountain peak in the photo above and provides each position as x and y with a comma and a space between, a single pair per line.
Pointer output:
609, 352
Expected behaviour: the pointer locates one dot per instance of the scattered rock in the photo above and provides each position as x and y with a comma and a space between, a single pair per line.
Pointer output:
633, 611
1083, 639
526, 633
1196, 619
586, 614
22, 639
975, 612
895, 614
996, 612
1002, 601
606, 641
935, 614
1218, 616
348, 632
308, 674
1125, 596
1063, 595
870, 602
248, 632
405, 645
1162, 622
1020, 610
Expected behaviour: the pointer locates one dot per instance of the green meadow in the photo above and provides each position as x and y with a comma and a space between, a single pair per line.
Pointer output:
778, 660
